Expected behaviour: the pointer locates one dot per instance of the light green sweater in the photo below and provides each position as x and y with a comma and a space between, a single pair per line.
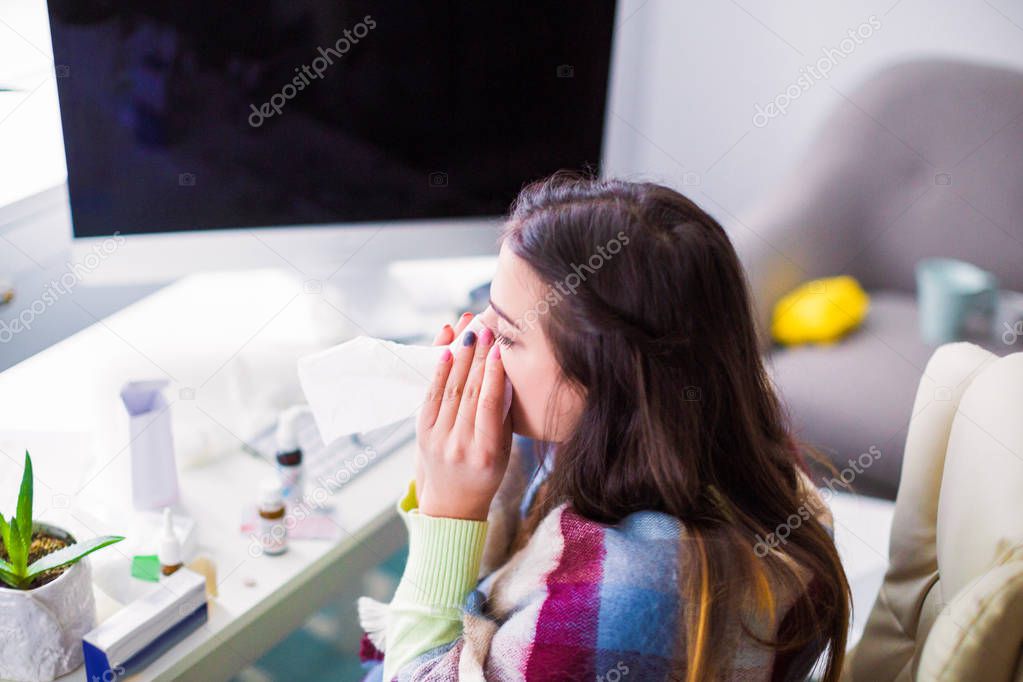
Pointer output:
442, 569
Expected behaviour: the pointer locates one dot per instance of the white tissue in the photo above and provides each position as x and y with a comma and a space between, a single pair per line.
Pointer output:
367, 383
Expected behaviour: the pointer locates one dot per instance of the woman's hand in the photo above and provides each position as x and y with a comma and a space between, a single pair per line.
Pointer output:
444, 337
463, 438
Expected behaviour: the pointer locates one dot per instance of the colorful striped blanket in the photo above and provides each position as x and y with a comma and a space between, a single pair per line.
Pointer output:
580, 601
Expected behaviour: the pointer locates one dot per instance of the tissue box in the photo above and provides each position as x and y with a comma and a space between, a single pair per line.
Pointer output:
139, 633
154, 474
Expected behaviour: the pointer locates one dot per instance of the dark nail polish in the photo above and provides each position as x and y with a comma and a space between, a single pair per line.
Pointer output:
469, 338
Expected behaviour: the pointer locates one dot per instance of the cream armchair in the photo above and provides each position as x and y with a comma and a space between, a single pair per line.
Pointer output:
951, 605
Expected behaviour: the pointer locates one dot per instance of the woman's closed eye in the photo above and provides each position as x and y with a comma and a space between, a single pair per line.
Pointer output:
501, 338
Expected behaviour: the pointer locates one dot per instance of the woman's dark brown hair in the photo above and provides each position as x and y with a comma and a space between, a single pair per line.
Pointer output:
648, 313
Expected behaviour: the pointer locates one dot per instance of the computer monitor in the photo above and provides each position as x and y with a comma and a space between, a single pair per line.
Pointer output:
317, 133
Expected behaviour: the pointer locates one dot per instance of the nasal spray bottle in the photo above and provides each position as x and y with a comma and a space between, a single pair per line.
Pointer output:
289, 455
169, 553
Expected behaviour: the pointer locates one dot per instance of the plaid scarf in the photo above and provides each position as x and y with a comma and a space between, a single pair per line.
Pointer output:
579, 600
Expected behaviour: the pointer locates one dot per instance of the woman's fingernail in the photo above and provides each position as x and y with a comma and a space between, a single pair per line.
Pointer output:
469, 338
445, 356
486, 336
495, 351
466, 314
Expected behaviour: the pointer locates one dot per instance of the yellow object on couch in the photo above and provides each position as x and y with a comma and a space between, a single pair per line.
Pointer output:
819, 311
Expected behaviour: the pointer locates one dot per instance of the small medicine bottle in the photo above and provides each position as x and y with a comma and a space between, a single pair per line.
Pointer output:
273, 534
169, 553
289, 455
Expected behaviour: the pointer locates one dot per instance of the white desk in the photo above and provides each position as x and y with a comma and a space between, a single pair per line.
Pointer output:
206, 334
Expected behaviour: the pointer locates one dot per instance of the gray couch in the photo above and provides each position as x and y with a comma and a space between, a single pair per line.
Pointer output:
925, 159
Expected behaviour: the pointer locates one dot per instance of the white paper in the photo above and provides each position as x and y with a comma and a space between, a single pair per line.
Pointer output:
367, 383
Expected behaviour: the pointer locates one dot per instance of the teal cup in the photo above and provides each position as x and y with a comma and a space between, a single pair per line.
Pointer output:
952, 295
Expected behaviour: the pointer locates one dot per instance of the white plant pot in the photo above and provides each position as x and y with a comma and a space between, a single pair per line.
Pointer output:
41, 630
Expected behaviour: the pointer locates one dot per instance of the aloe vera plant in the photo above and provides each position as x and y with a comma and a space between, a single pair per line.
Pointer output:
16, 533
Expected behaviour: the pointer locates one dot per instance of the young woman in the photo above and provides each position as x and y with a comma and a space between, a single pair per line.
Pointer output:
651, 519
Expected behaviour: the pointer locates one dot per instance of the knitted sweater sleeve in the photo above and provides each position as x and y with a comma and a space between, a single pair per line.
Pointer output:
442, 567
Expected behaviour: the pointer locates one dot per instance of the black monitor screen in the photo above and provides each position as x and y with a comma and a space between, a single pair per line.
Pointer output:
212, 114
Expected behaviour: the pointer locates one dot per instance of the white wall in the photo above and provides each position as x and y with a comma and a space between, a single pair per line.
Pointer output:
698, 69
32, 156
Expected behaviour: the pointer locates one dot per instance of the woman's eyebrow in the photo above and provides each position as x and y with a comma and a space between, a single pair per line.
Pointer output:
501, 313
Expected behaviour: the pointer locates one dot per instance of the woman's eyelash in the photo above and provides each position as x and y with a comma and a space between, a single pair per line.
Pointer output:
501, 338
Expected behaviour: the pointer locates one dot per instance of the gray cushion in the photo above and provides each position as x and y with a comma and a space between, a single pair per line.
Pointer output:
926, 159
